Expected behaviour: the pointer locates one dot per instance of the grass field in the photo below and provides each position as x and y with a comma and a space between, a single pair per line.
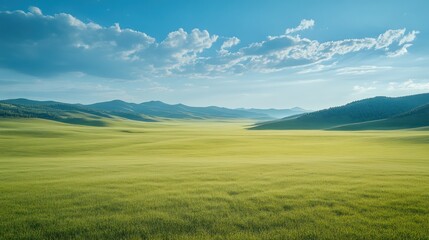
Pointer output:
204, 180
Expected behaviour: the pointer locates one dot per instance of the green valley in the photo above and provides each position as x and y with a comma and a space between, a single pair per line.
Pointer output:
214, 120
194, 179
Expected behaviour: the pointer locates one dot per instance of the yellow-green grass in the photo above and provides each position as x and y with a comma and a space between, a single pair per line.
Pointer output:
203, 180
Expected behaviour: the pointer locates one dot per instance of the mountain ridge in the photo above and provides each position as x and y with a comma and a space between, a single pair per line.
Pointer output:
146, 111
378, 113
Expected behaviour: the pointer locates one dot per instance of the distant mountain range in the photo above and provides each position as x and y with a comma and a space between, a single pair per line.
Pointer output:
378, 113
368, 114
94, 114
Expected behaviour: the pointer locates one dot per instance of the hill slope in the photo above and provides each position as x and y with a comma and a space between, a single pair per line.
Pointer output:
96, 114
371, 109
163, 110
418, 117
65, 113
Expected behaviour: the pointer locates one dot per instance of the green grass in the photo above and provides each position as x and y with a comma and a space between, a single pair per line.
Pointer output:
416, 118
204, 180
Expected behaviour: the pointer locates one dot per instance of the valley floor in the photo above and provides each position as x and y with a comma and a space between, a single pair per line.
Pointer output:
204, 180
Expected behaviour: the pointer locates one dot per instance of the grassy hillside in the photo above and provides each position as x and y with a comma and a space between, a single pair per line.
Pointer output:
371, 109
147, 111
416, 118
178, 111
210, 180
65, 113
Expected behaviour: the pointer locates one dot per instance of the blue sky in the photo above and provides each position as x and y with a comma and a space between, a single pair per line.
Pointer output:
281, 54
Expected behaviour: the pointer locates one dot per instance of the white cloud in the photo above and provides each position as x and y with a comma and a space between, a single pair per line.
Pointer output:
387, 38
47, 45
402, 51
363, 89
304, 24
230, 42
361, 70
409, 37
279, 52
35, 10
177, 50
408, 85
317, 68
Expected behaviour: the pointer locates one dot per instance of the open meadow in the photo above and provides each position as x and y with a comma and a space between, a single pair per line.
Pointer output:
205, 180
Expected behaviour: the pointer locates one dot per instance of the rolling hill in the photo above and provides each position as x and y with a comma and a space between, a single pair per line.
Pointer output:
163, 110
389, 110
416, 118
66, 113
373, 113
97, 114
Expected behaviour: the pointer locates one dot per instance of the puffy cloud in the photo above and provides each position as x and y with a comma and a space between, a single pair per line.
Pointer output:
44, 45
35, 10
305, 24
47, 45
177, 51
194, 42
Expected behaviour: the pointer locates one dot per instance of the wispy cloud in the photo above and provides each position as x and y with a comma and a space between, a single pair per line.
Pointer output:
408, 85
409, 37
280, 52
363, 89
402, 51
48, 45
386, 39
230, 42
318, 68
303, 25
361, 70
